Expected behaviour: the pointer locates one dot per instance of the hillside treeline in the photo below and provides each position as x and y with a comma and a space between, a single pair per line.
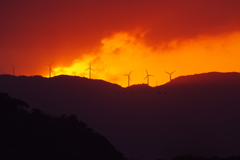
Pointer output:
29, 135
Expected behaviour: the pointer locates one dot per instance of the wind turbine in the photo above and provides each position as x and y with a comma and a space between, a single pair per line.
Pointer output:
170, 74
129, 79
13, 69
147, 77
50, 69
90, 69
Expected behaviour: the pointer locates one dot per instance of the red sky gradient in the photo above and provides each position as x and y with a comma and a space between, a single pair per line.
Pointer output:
119, 36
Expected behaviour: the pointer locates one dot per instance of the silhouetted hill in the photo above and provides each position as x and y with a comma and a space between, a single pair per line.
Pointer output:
190, 157
39, 136
195, 114
207, 78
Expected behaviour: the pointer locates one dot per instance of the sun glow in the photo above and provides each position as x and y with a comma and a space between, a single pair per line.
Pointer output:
76, 69
124, 52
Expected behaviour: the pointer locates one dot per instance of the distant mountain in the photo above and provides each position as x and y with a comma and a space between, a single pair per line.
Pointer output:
39, 136
195, 114
207, 78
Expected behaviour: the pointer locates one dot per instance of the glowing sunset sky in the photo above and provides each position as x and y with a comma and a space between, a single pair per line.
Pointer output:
119, 36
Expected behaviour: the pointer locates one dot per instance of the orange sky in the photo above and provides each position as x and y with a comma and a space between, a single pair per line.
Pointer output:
120, 36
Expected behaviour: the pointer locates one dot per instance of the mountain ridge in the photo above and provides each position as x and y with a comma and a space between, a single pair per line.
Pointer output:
177, 118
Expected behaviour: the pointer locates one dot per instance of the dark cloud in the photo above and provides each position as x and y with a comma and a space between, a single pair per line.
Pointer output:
54, 22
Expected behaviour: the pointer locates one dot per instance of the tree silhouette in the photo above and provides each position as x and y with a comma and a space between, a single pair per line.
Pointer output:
39, 136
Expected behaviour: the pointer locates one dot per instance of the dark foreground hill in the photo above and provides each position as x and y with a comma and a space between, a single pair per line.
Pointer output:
37, 136
196, 114
190, 157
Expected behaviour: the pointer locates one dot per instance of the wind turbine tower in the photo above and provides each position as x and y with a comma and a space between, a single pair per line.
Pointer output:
129, 79
170, 74
147, 77
13, 69
50, 69
90, 70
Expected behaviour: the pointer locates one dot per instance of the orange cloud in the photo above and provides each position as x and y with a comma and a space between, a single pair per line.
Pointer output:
124, 52
34, 33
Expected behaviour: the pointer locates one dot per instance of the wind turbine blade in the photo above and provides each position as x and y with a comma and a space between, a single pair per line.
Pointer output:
173, 72
167, 72
90, 65
130, 73
146, 71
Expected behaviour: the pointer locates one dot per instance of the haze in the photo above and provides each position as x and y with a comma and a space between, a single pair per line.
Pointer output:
120, 36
